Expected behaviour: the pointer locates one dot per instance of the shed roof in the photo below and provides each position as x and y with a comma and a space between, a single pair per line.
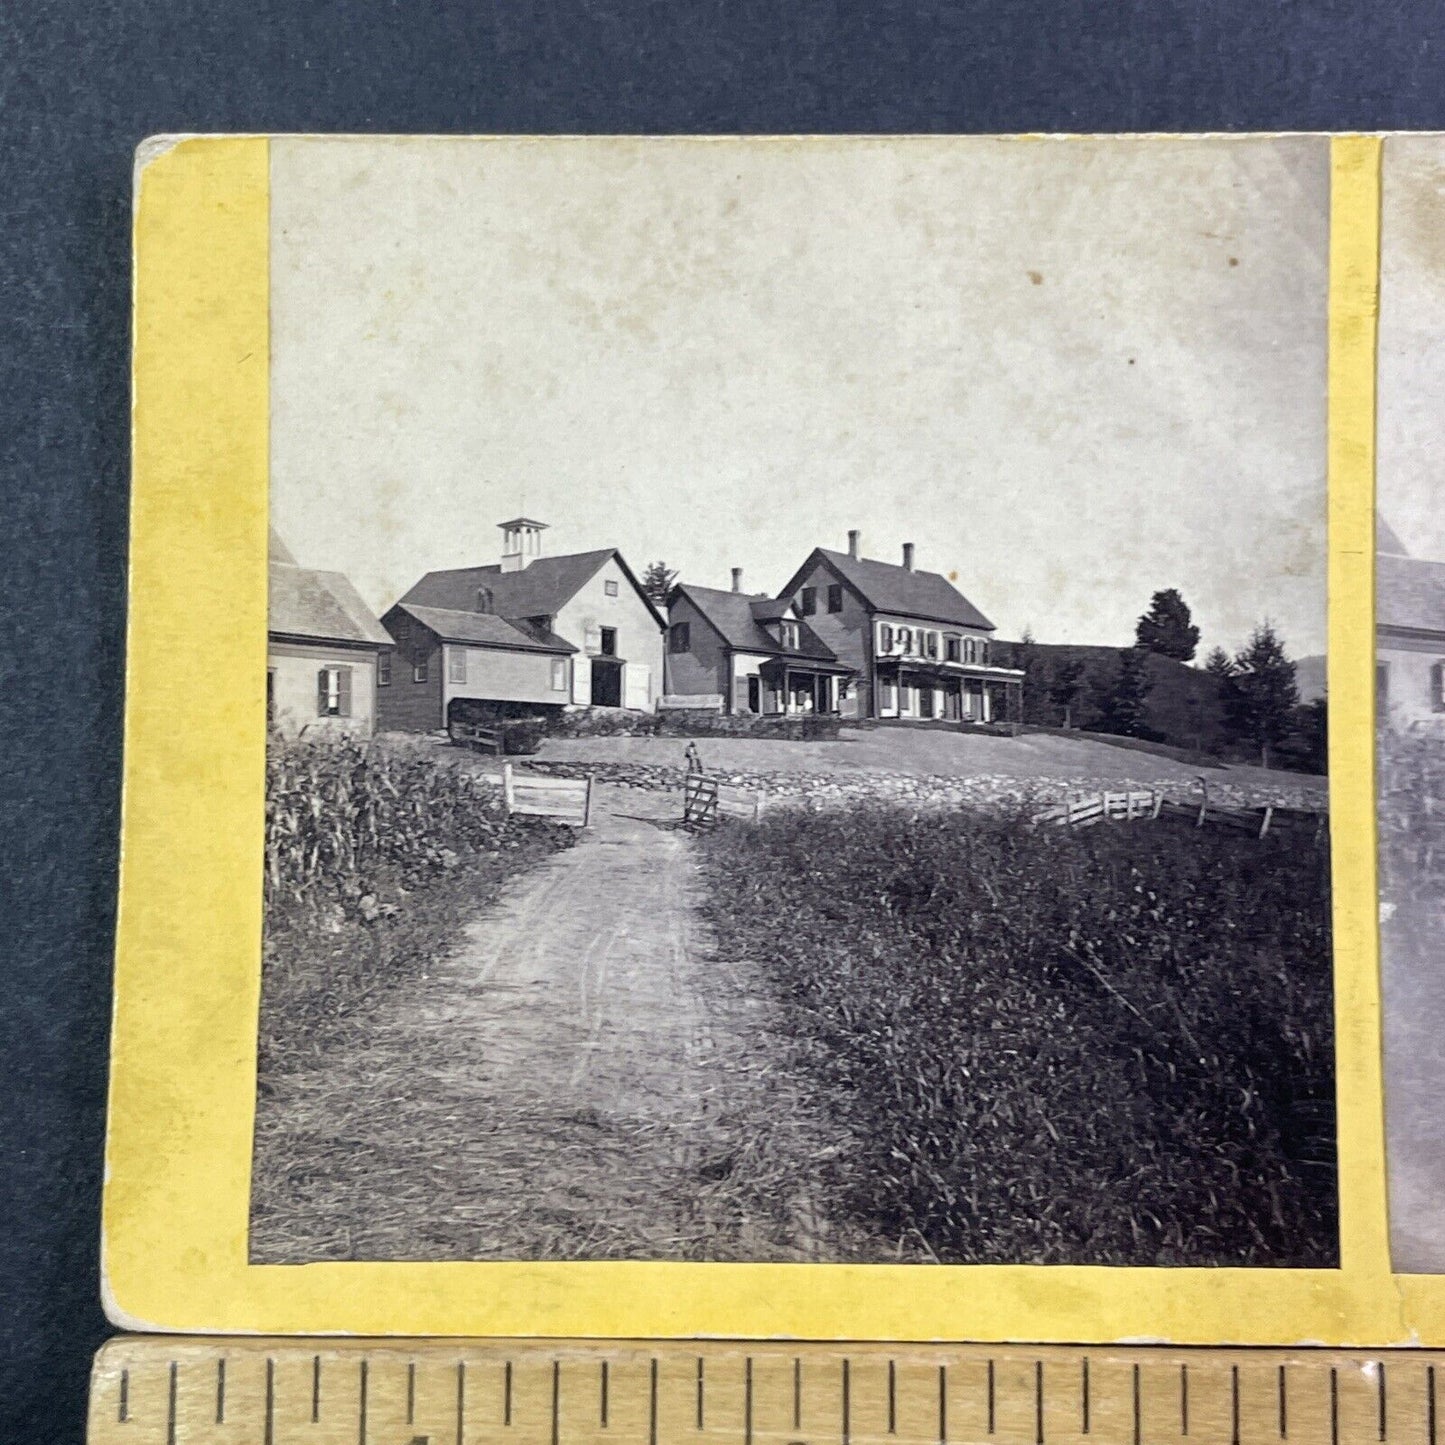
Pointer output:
485, 629
888, 587
1410, 593
733, 615
322, 606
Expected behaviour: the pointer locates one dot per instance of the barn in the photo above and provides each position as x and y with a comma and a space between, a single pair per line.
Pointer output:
525, 636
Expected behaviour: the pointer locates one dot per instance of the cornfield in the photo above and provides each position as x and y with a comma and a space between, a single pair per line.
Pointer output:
338, 812
1111, 1046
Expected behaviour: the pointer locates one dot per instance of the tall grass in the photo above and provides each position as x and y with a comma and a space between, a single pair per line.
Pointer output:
1111, 1046
375, 856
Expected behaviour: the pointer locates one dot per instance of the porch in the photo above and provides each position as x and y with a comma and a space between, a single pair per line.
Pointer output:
785, 688
919, 689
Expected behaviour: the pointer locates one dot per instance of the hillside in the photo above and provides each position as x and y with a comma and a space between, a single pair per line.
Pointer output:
1183, 707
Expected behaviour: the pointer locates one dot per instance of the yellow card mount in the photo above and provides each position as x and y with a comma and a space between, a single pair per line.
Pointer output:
176, 1390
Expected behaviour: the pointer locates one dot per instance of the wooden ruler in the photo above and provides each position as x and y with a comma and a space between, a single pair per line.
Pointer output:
176, 1390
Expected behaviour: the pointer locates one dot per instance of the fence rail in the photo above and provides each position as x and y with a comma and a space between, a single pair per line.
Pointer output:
705, 800
476, 737
1084, 810
563, 800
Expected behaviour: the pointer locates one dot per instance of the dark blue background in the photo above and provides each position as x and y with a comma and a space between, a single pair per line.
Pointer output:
82, 82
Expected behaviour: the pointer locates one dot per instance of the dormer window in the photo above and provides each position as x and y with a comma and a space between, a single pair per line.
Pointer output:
788, 634
484, 599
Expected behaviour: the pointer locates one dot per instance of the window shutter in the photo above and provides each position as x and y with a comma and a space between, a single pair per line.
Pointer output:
343, 692
885, 638
322, 691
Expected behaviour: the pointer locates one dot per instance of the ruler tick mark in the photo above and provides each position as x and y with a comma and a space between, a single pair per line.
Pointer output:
847, 1403
462, 1399
1038, 1402
268, 1433
171, 1408
602, 1386
1283, 1405
748, 1401
507, 1393
652, 1402
1136, 1405
990, 1397
943, 1401
1430, 1404
361, 1397
1084, 1392
1234, 1405
797, 1394
122, 1413
1334, 1406
315, 1388
411, 1392
1384, 1414
556, 1400
699, 1392
892, 1398
221, 1391
1184, 1399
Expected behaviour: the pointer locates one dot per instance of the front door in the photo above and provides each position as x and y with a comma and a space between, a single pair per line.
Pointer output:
755, 693
606, 682
925, 701
952, 701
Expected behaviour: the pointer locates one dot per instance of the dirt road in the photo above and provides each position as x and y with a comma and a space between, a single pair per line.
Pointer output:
581, 1078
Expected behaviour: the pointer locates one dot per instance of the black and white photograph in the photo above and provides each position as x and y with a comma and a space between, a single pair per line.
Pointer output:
1410, 689
797, 706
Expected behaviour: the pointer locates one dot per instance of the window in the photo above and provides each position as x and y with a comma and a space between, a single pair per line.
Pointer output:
788, 634
559, 674
953, 649
610, 588
970, 650
929, 644
905, 640
456, 664
609, 642
885, 637
419, 669
888, 697
484, 599
383, 667
808, 601
835, 597
679, 637
983, 649
333, 692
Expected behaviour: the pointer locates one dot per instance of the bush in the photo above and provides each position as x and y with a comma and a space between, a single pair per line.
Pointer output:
1111, 1046
524, 735
602, 723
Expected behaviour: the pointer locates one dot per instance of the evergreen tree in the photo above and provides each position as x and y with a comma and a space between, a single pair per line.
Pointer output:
1037, 680
1167, 627
1125, 701
1219, 663
657, 582
1264, 694
1067, 684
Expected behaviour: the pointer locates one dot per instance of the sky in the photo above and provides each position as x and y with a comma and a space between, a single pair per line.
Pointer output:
1409, 468
1072, 372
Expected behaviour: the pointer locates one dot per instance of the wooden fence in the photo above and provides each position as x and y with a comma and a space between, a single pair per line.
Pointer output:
705, 800
476, 737
563, 800
1082, 810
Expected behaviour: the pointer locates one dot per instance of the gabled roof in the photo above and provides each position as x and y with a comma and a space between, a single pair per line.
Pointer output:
319, 606
733, 617
484, 629
540, 589
893, 589
1410, 593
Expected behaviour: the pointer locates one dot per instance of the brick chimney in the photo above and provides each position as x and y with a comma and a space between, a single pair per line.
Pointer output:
737, 579
853, 544
908, 555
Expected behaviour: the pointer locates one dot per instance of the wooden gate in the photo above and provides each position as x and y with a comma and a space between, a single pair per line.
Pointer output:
563, 800
705, 800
